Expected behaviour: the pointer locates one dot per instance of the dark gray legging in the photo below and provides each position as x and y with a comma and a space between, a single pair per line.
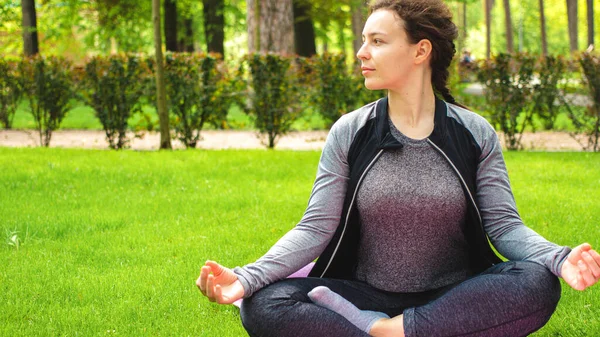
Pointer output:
509, 299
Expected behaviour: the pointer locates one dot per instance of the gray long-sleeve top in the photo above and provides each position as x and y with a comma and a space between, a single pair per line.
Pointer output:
307, 240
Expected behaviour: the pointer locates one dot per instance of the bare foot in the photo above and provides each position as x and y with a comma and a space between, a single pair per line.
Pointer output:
388, 327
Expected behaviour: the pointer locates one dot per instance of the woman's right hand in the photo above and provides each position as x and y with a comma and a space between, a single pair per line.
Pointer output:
219, 284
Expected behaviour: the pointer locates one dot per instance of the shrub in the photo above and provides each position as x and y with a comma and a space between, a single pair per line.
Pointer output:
335, 91
364, 95
587, 121
197, 93
508, 92
112, 86
48, 85
459, 88
10, 92
332, 88
182, 81
276, 95
239, 90
546, 93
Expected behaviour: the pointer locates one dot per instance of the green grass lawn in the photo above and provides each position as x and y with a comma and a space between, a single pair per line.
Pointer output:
110, 243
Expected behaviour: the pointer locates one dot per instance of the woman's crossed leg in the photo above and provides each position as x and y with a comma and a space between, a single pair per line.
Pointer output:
509, 299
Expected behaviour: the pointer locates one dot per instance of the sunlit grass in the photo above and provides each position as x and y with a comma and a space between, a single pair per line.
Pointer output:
110, 243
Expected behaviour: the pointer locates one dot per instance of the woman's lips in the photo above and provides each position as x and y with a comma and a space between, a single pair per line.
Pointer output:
366, 70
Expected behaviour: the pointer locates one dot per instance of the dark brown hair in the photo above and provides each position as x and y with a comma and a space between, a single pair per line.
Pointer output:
431, 20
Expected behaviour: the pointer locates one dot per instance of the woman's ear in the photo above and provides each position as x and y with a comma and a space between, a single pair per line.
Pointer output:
423, 51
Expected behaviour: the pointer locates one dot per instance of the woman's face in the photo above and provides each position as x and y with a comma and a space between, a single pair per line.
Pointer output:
386, 55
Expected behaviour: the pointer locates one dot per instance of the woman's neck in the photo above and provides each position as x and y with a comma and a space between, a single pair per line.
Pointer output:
412, 109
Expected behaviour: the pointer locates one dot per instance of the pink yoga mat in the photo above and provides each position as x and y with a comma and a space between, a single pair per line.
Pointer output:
300, 273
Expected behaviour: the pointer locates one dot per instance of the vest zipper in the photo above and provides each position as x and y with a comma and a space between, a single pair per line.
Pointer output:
461, 178
349, 209
468, 191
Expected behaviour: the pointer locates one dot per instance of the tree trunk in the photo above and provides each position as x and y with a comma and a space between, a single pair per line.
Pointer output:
488, 28
270, 26
508, 24
572, 17
463, 38
171, 25
304, 30
358, 23
278, 30
186, 42
543, 28
465, 33
30, 36
214, 25
590, 21
161, 97
253, 25
342, 35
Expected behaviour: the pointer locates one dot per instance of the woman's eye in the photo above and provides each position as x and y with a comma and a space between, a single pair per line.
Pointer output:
377, 41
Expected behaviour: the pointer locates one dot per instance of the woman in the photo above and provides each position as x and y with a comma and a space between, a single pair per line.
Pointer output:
408, 191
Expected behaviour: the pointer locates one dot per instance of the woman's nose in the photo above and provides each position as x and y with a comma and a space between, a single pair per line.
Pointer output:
363, 53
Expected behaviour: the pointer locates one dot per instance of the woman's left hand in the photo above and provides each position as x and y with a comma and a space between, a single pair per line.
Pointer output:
581, 269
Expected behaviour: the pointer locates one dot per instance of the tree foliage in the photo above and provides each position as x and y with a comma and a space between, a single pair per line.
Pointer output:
76, 29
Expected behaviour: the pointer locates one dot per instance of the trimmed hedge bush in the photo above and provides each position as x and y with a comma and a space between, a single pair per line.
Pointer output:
113, 86
11, 91
588, 121
547, 92
48, 85
334, 93
274, 90
197, 93
508, 92
274, 95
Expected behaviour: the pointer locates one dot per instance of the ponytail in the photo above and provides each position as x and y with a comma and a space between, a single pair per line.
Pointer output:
439, 80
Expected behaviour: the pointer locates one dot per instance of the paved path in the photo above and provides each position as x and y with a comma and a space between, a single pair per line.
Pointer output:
89, 139
310, 140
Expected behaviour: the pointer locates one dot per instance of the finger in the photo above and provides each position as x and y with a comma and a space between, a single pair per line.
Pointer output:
219, 295
575, 254
586, 274
592, 264
216, 268
595, 256
210, 288
201, 282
